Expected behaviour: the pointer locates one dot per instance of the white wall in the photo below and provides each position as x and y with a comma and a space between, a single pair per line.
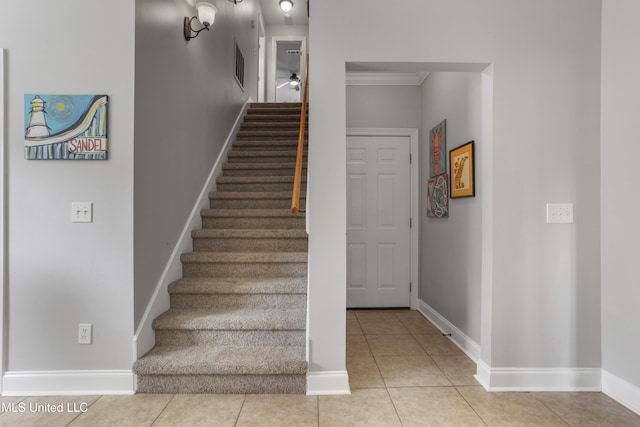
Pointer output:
546, 56
61, 274
186, 102
383, 106
620, 204
450, 248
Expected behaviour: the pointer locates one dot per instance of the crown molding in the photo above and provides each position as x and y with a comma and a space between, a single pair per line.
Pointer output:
385, 79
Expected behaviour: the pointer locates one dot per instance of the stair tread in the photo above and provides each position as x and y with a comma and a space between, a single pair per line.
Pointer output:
243, 257
257, 195
223, 360
239, 285
257, 179
265, 153
237, 319
252, 165
233, 233
249, 213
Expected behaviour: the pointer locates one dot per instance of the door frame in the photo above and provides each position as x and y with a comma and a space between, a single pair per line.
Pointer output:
414, 147
271, 86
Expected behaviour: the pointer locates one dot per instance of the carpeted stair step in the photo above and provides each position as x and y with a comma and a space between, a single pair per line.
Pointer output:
260, 169
251, 219
254, 184
254, 240
252, 200
222, 369
233, 326
258, 116
279, 156
244, 264
271, 125
267, 135
239, 293
268, 145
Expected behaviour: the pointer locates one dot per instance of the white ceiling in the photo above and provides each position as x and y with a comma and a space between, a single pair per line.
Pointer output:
273, 15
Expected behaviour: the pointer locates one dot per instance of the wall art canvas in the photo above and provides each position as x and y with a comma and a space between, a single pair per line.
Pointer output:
461, 165
66, 127
438, 149
438, 196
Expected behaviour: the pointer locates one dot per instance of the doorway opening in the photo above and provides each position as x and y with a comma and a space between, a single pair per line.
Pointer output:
287, 68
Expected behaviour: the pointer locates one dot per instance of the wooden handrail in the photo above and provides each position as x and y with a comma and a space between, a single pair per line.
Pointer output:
295, 199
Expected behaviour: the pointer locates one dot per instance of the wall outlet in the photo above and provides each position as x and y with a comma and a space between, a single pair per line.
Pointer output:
560, 213
81, 212
85, 333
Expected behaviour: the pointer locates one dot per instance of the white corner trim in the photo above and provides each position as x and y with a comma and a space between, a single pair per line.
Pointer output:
328, 383
144, 338
539, 379
622, 391
384, 79
68, 383
459, 338
3, 222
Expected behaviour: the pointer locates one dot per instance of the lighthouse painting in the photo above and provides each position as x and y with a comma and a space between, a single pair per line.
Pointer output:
66, 127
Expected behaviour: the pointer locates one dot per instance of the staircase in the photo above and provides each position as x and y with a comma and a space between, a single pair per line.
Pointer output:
237, 322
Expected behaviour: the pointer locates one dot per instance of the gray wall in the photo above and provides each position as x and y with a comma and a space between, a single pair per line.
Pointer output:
186, 103
450, 248
544, 290
61, 274
620, 203
383, 106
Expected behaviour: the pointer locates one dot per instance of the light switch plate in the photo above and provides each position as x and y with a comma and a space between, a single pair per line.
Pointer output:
560, 213
81, 212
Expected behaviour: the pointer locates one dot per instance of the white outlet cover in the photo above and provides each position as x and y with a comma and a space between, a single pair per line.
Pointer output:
559, 213
85, 333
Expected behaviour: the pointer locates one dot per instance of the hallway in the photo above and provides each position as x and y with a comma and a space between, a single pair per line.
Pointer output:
402, 373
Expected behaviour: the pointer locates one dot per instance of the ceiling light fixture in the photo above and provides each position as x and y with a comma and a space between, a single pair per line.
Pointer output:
206, 16
286, 5
294, 80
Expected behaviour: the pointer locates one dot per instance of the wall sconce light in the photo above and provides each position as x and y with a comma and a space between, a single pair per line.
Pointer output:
286, 5
206, 16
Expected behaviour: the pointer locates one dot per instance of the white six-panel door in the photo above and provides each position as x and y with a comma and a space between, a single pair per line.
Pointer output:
378, 215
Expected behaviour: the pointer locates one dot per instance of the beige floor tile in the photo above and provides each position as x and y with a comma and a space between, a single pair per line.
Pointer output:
433, 406
351, 315
279, 410
588, 409
408, 315
357, 346
39, 411
353, 327
374, 314
459, 369
420, 326
121, 411
382, 327
436, 344
394, 345
194, 410
509, 409
363, 373
369, 407
410, 371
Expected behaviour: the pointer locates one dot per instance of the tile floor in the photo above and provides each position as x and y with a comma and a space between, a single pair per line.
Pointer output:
402, 371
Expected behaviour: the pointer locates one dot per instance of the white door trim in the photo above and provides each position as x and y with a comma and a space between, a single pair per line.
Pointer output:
271, 87
412, 134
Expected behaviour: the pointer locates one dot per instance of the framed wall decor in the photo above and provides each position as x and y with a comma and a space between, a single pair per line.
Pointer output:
438, 196
461, 165
65, 127
438, 149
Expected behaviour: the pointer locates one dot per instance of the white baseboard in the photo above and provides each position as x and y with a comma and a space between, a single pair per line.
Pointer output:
68, 383
328, 383
538, 379
144, 338
622, 391
459, 338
